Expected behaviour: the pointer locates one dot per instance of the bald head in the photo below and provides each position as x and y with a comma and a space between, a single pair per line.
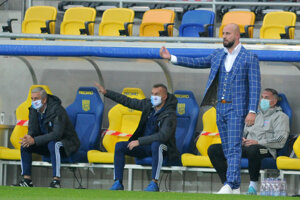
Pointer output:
231, 36
234, 27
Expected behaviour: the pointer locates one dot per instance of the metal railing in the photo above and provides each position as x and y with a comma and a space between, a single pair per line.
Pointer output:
147, 39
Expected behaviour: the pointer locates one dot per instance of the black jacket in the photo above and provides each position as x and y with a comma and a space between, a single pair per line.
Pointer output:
165, 126
58, 125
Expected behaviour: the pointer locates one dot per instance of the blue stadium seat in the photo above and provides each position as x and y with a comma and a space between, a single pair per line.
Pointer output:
197, 23
187, 118
86, 115
270, 163
284, 104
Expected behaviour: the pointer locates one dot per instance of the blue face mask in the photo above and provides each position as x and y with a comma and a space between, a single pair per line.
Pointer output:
264, 104
155, 100
37, 104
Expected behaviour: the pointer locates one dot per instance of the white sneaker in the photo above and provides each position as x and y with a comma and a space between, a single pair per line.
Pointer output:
226, 189
236, 191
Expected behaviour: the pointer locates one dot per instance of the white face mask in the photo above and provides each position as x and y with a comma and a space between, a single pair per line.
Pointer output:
37, 104
155, 100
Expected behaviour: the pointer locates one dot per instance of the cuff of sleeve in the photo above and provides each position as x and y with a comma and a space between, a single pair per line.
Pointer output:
252, 111
36, 141
140, 141
107, 93
173, 59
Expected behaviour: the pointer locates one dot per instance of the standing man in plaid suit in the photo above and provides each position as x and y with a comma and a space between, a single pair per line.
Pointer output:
233, 87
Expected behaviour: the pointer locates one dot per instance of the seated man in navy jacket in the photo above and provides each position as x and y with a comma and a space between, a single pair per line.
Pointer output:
50, 133
155, 135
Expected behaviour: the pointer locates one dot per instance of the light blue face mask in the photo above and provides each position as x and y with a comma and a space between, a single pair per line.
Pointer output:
155, 100
37, 104
264, 104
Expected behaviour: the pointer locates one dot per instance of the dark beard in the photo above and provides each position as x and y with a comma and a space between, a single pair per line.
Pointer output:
229, 44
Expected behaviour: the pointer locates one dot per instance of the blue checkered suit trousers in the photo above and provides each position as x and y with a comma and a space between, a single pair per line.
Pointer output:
231, 126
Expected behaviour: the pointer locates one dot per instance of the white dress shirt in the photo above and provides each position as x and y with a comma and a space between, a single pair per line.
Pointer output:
173, 59
230, 58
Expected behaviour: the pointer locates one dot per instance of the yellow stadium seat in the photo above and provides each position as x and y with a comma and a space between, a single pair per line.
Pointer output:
209, 136
39, 19
278, 25
157, 22
121, 119
116, 22
78, 21
244, 19
21, 129
284, 162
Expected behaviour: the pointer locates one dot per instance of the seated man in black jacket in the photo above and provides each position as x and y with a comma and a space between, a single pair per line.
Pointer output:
50, 133
155, 135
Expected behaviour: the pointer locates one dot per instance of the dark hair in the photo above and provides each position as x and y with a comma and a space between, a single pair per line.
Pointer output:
157, 85
274, 92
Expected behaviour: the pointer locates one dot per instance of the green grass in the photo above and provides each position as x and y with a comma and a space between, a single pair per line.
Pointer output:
16, 193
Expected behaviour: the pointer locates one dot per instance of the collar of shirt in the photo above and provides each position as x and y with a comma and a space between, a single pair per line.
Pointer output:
156, 112
230, 58
42, 113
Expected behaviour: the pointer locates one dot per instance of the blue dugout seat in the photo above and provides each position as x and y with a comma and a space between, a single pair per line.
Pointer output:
187, 118
270, 162
86, 115
197, 23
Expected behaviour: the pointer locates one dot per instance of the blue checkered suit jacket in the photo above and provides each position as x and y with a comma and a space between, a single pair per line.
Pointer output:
245, 80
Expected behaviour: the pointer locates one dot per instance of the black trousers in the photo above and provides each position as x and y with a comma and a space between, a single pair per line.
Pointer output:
254, 153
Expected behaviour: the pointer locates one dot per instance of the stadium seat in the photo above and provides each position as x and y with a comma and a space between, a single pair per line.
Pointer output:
197, 23
21, 128
37, 20
187, 117
210, 135
85, 114
157, 22
288, 163
116, 22
278, 25
121, 120
270, 162
245, 20
78, 21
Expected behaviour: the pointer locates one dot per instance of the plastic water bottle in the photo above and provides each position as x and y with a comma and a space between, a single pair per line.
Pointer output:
283, 187
263, 188
268, 187
277, 186
272, 187
2, 117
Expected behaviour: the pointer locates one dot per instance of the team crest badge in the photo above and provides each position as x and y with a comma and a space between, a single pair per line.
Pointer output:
86, 105
181, 108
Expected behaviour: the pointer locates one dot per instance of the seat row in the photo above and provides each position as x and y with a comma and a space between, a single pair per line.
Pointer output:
81, 20
97, 144
86, 115
155, 22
